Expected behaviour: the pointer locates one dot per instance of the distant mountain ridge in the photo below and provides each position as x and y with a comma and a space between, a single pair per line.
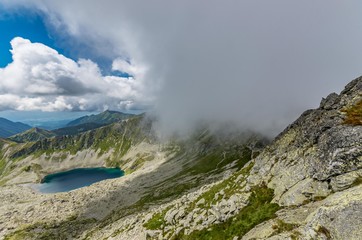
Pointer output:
73, 130
31, 135
74, 127
104, 118
9, 128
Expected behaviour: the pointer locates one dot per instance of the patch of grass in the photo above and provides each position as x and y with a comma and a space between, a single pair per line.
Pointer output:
259, 210
354, 114
68, 229
282, 226
26, 168
216, 160
175, 191
157, 220
228, 191
2, 165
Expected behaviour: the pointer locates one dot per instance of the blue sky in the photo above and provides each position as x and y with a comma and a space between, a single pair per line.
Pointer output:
32, 25
25, 24
29, 25
96, 80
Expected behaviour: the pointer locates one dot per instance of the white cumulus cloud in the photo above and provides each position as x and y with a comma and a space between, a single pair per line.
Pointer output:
39, 78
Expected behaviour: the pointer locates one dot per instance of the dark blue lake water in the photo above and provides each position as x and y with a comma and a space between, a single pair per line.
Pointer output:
76, 178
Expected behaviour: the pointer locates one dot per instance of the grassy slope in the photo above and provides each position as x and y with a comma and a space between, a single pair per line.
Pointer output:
118, 136
32, 135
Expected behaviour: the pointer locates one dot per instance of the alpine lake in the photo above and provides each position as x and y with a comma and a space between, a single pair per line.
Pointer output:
76, 178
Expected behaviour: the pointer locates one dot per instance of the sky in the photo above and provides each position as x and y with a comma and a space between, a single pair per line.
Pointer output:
257, 63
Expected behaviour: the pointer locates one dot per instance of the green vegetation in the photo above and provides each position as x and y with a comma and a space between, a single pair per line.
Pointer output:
32, 135
138, 162
2, 165
206, 165
229, 186
67, 229
259, 210
218, 159
282, 226
193, 175
354, 114
157, 221
215, 157
118, 137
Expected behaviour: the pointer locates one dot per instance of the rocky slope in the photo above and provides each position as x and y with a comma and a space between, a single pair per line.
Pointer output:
306, 184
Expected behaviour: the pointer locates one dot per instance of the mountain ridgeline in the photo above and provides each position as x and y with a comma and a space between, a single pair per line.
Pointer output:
213, 184
31, 135
9, 128
74, 127
104, 118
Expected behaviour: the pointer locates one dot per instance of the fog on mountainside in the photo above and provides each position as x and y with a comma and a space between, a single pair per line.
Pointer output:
255, 63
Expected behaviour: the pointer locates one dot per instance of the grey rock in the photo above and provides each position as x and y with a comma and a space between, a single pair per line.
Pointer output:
307, 189
329, 102
170, 216
344, 181
200, 202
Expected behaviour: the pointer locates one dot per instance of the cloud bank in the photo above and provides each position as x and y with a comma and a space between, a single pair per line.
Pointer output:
258, 63
39, 78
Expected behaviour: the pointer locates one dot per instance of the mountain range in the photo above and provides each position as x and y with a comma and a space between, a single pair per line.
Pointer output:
74, 127
8, 128
213, 184
103, 118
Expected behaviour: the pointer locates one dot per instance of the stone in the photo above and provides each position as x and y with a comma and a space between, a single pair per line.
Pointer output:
344, 181
339, 217
200, 202
329, 102
170, 216
307, 189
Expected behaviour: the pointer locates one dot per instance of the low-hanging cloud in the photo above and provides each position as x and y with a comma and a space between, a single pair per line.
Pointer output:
39, 78
258, 63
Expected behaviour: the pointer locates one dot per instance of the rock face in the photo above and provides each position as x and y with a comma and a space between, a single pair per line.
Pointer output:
317, 146
306, 184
